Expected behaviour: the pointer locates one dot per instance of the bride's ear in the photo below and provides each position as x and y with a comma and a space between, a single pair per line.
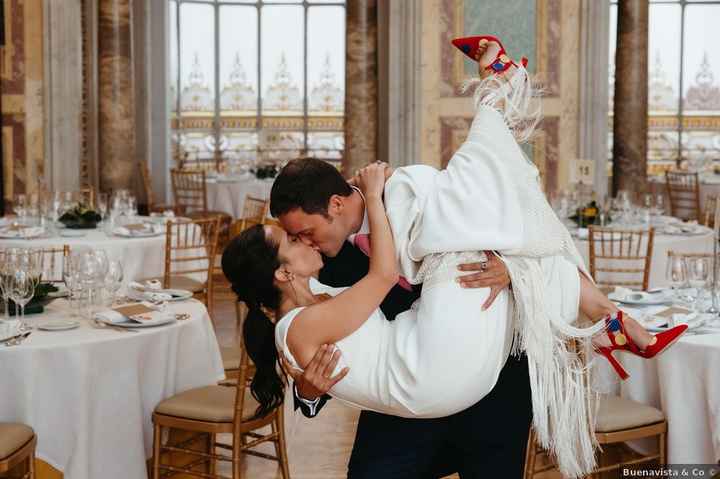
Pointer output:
282, 275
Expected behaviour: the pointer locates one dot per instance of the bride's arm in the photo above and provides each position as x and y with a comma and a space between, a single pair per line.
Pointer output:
593, 302
336, 318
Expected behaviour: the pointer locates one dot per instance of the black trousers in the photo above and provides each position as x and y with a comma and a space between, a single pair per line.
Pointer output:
486, 440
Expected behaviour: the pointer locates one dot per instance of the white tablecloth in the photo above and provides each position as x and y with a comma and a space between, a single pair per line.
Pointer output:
89, 393
141, 258
229, 195
684, 382
678, 243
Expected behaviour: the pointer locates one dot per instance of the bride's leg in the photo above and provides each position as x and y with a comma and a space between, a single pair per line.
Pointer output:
596, 306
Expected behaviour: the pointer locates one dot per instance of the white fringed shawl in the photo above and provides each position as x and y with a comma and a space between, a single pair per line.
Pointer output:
489, 198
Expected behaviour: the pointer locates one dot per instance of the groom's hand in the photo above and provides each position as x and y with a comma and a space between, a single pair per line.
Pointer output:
316, 380
495, 276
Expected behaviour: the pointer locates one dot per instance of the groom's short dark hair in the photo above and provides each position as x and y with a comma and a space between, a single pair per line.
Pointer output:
308, 184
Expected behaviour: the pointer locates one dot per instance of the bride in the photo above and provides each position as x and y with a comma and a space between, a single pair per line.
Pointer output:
445, 353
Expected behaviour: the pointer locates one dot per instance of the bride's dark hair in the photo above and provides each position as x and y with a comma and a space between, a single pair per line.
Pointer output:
249, 263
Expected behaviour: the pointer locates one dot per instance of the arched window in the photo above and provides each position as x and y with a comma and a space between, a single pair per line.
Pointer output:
683, 81
256, 80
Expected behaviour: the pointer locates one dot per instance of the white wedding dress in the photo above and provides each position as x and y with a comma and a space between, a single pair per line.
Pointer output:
445, 353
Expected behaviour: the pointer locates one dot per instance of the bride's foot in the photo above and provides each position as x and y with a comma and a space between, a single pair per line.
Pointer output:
488, 55
634, 330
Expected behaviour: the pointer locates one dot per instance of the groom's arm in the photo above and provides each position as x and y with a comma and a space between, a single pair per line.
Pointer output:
495, 276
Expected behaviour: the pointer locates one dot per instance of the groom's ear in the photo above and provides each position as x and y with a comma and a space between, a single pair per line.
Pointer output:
280, 275
336, 205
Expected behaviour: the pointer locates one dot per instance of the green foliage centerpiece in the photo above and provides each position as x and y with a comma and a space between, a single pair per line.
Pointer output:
80, 217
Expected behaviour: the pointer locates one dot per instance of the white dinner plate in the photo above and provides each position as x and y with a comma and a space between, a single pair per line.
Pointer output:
140, 234
58, 325
647, 300
70, 233
135, 324
177, 294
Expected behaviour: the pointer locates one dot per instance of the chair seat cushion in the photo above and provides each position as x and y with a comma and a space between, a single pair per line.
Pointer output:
616, 413
209, 403
12, 437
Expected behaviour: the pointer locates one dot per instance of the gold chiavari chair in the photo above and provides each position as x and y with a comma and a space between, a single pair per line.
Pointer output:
52, 263
17, 448
213, 410
190, 193
255, 212
684, 194
149, 195
189, 190
711, 204
190, 249
618, 420
610, 248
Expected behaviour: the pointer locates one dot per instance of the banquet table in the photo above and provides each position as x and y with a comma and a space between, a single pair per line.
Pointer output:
228, 194
696, 243
141, 257
709, 185
89, 392
684, 383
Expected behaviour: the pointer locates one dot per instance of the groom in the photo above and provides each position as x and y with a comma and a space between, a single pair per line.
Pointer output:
316, 205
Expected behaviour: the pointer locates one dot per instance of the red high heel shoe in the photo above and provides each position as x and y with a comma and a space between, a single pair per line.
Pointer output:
621, 341
469, 46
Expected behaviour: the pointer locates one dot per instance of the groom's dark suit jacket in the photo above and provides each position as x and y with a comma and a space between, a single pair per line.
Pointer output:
486, 440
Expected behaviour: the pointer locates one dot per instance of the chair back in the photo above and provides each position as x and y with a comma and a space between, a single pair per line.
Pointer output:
684, 194
189, 190
255, 211
710, 210
52, 260
621, 257
190, 248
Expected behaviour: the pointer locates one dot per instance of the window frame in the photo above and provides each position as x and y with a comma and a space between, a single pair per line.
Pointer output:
258, 5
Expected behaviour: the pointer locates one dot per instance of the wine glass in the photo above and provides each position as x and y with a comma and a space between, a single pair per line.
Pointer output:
20, 207
113, 279
102, 205
71, 278
21, 292
660, 203
698, 274
676, 272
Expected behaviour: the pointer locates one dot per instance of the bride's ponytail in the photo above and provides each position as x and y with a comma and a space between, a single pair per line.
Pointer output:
249, 263
259, 336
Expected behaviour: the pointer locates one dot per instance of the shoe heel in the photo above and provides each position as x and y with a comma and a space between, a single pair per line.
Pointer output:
619, 369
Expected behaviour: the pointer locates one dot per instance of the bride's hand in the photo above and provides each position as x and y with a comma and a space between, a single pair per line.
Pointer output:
371, 179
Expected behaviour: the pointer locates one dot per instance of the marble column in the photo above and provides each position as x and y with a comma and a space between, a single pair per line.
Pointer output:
116, 103
361, 85
631, 97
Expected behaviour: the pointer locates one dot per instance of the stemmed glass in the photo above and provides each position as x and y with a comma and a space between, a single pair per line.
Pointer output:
93, 267
660, 203
71, 277
20, 207
698, 274
676, 272
113, 279
102, 205
6, 267
21, 292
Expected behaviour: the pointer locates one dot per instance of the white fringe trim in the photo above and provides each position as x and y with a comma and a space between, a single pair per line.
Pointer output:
515, 98
564, 405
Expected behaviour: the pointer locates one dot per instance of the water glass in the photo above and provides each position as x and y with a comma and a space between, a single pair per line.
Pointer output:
676, 272
113, 279
698, 274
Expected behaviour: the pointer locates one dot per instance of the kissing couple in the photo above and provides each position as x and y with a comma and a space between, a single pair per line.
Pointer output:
369, 303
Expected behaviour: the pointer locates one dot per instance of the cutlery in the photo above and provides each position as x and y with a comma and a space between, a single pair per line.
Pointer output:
18, 339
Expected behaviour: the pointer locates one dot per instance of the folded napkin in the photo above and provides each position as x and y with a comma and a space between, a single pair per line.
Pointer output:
139, 313
151, 291
136, 229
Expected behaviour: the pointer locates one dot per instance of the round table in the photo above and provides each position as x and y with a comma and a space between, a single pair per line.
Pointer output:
701, 243
140, 257
683, 382
228, 194
89, 392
